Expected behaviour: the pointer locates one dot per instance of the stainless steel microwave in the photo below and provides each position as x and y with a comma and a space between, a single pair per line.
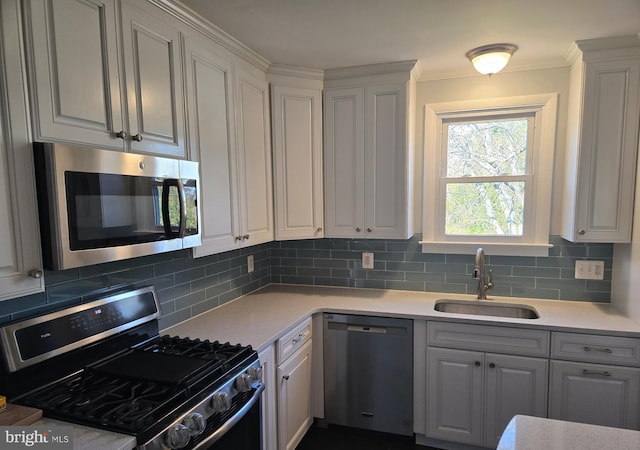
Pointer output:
97, 206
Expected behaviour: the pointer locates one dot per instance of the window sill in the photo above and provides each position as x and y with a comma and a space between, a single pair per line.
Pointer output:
490, 248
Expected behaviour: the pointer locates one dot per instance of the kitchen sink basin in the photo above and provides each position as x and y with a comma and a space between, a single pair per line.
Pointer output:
486, 308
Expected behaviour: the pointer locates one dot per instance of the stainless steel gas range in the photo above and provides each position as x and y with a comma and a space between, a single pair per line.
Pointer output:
103, 364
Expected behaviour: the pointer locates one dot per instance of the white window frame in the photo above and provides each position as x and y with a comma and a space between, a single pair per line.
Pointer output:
535, 240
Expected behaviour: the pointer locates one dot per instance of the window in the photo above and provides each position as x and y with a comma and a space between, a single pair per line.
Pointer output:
488, 167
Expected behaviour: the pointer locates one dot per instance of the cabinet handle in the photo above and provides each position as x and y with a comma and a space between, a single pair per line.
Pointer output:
246, 236
286, 377
369, 230
477, 363
35, 273
596, 349
137, 137
492, 365
603, 373
581, 232
358, 229
121, 134
238, 238
294, 340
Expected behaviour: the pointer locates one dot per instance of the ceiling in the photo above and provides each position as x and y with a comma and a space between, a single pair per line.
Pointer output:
326, 34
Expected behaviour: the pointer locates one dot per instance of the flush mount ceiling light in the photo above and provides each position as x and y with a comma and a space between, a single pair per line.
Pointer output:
490, 59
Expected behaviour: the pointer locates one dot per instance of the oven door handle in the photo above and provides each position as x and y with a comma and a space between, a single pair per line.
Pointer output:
221, 431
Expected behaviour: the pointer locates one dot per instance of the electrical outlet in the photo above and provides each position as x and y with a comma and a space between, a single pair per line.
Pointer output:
367, 260
589, 270
250, 267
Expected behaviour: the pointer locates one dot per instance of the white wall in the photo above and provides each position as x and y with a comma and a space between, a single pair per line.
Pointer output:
625, 287
501, 85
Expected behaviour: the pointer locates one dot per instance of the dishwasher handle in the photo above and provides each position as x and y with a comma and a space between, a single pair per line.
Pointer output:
367, 329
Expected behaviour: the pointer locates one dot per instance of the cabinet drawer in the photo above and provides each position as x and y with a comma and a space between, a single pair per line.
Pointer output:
599, 349
293, 340
515, 341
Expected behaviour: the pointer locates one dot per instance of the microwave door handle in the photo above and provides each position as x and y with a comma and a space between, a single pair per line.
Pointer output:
166, 217
183, 208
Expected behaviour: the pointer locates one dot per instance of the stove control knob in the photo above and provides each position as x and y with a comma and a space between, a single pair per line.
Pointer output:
177, 436
220, 402
243, 382
195, 422
256, 373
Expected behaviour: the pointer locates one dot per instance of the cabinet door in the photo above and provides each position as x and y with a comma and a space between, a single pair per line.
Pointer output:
254, 159
209, 83
74, 67
344, 162
19, 238
608, 151
514, 385
152, 63
454, 395
269, 410
297, 165
595, 394
294, 398
386, 196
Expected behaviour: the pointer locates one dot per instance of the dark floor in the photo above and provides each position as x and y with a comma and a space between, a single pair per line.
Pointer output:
343, 438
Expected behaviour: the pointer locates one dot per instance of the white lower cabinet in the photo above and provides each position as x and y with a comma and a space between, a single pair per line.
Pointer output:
293, 377
589, 390
471, 394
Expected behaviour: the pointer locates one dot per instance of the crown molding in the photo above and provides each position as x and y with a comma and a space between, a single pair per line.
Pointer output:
202, 25
370, 69
296, 71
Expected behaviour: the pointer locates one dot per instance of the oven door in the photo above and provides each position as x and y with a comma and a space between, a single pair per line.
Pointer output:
243, 431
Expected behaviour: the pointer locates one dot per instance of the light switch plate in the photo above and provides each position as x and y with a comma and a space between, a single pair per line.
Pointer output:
589, 270
250, 267
367, 260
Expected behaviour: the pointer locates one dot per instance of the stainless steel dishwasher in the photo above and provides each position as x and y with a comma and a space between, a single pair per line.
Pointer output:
368, 372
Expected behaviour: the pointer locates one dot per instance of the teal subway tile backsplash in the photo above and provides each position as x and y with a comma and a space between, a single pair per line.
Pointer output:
188, 286
400, 264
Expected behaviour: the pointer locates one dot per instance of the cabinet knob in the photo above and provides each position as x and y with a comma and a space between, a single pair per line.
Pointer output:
286, 377
477, 363
137, 137
369, 230
492, 365
319, 229
121, 134
581, 232
238, 238
358, 229
35, 273
246, 236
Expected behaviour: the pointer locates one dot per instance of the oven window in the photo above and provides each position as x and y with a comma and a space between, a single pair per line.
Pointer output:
106, 210
245, 435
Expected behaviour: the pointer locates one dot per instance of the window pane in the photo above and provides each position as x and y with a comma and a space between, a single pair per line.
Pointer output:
489, 209
487, 149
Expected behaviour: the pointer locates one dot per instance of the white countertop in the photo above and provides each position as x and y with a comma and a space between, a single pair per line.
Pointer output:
86, 438
535, 433
261, 317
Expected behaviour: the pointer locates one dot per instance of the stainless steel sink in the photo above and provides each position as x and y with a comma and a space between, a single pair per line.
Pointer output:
486, 308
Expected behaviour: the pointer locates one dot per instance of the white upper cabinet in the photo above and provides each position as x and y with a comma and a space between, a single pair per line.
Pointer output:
254, 157
602, 140
73, 57
296, 104
81, 96
210, 110
228, 116
153, 73
368, 122
20, 260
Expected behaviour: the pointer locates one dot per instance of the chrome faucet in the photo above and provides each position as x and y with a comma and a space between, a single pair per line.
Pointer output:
484, 283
